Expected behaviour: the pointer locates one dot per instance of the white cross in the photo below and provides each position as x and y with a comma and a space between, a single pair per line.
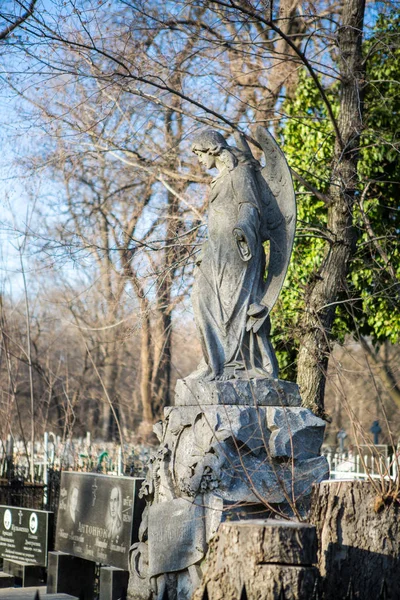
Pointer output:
20, 514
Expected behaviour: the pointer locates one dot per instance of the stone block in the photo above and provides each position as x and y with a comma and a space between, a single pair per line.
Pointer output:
295, 432
113, 583
26, 575
71, 575
6, 580
30, 593
248, 392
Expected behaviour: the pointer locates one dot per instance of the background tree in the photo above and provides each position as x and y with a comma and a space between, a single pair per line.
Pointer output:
129, 85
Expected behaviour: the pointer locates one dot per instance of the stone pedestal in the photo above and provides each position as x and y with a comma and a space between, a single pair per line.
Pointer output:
71, 575
24, 574
6, 580
113, 583
228, 450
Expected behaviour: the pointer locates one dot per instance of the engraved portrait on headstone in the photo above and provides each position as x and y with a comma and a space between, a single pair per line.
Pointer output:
114, 513
73, 501
7, 519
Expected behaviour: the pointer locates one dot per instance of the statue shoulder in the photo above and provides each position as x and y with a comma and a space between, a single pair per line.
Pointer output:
244, 177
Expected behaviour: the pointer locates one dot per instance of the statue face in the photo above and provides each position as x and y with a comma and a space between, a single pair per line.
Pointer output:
208, 160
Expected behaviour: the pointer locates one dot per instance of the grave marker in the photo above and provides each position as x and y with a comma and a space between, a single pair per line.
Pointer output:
25, 534
98, 517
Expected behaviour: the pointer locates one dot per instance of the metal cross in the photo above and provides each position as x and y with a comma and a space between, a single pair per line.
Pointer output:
376, 430
341, 436
94, 489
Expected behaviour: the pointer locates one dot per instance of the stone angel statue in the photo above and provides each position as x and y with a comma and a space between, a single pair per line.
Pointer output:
235, 290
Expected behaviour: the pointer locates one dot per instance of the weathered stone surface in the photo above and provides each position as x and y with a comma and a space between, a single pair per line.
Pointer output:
299, 476
176, 536
297, 432
139, 586
215, 459
246, 424
231, 299
248, 392
264, 582
238, 557
226, 449
215, 462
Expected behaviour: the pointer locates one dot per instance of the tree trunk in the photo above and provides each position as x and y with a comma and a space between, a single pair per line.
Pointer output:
111, 369
146, 363
267, 558
330, 281
161, 380
358, 540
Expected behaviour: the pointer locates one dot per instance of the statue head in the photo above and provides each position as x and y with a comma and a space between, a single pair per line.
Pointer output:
210, 145
209, 141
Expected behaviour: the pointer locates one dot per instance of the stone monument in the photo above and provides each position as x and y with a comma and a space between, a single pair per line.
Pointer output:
237, 443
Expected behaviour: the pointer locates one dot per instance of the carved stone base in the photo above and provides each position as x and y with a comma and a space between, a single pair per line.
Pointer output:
217, 462
253, 392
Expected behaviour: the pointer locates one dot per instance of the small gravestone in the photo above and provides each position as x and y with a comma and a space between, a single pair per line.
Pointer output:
98, 517
25, 535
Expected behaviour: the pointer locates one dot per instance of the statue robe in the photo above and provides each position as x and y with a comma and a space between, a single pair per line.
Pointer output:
226, 284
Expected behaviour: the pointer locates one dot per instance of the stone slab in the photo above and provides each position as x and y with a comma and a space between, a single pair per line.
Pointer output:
176, 536
238, 554
6, 580
30, 593
70, 575
248, 392
26, 575
113, 583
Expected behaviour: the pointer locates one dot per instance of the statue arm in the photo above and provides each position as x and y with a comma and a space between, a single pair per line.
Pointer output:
246, 230
201, 253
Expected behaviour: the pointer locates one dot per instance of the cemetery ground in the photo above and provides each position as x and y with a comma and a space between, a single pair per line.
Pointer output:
337, 555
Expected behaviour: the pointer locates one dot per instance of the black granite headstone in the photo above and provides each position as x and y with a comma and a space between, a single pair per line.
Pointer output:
70, 575
98, 517
113, 583
25, 534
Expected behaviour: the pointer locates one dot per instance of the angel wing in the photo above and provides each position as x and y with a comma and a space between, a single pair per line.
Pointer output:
276, 174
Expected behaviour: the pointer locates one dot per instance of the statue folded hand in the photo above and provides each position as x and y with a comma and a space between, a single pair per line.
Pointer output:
242, 244
257, 314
